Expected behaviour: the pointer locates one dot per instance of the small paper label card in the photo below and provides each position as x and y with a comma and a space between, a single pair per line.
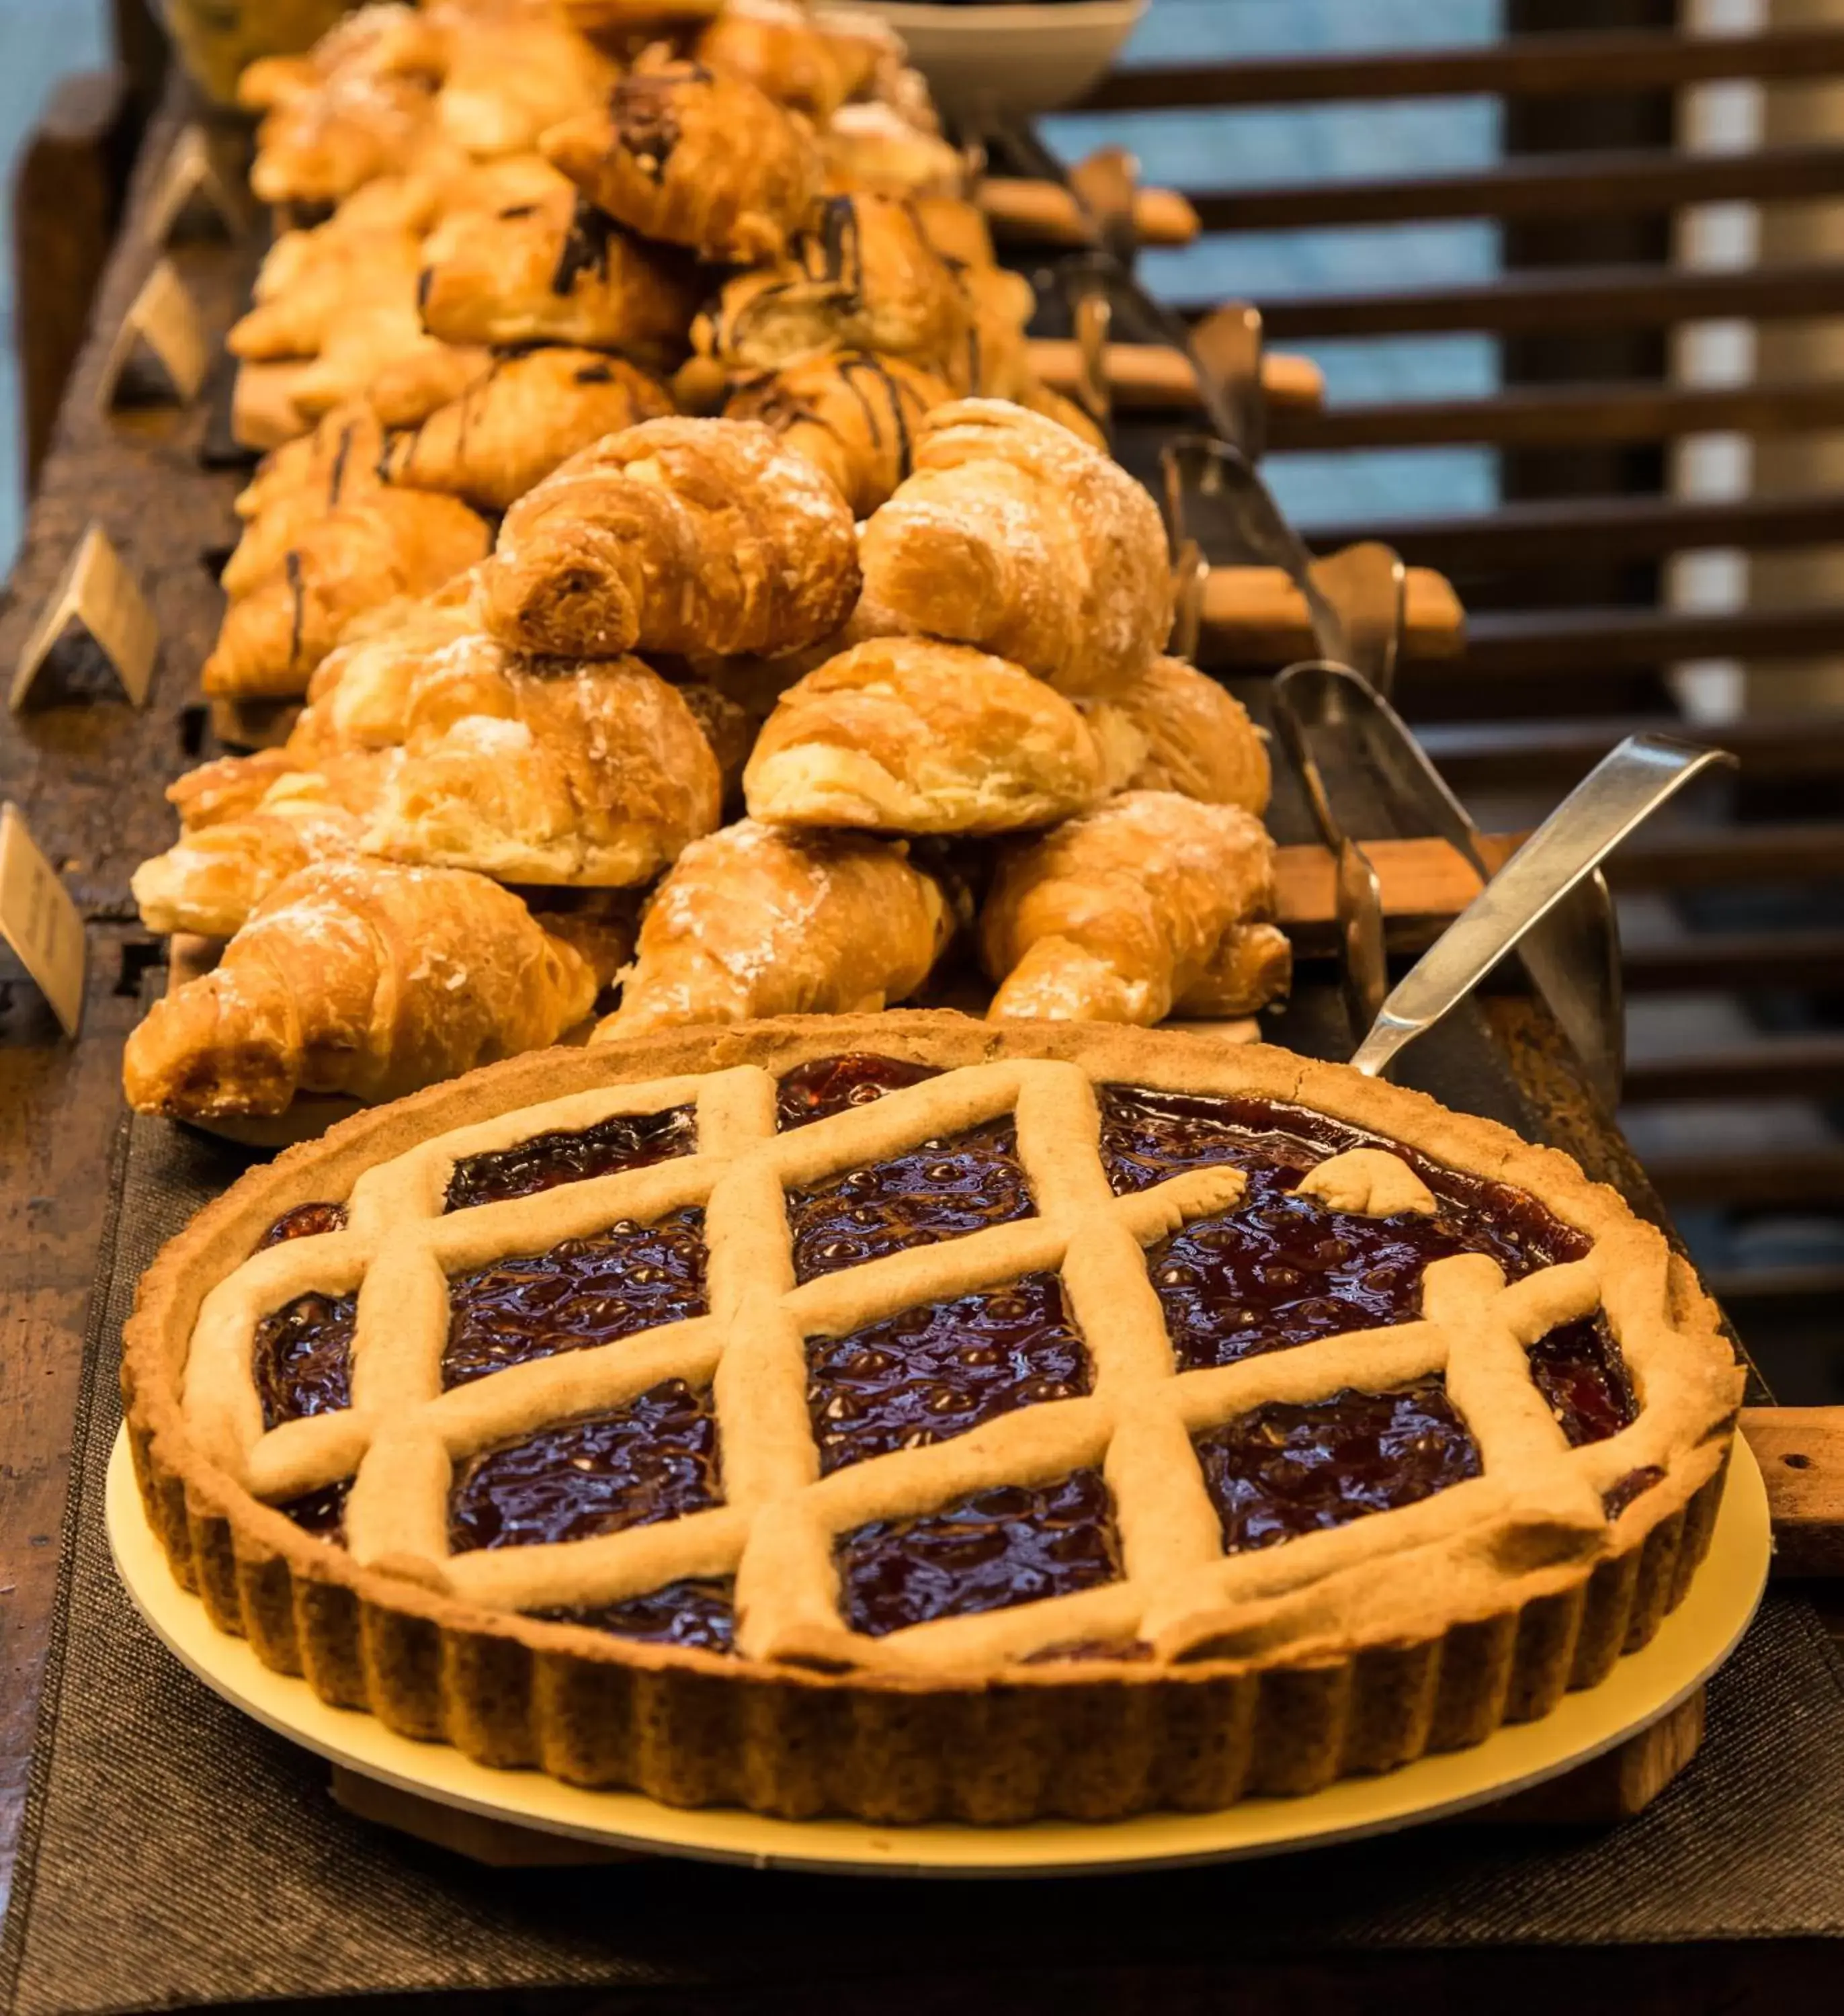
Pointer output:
162, 325
39, 921
97, 597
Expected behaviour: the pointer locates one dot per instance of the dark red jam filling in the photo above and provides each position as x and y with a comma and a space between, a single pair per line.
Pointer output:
700, 1614
583, 1292
1615, 1500
306, 1221
628, 1141
655, 1459
936, 1371
1579, 1369
1007, 1546
1284, 1469
937, 1190
322, 1512
303, 1358
1280, 1269
827, 1085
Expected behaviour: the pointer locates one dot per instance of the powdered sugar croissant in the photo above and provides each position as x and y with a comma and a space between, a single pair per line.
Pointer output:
679, 153
677, 536
1151, 903
904, 735
1015, 535
754, 922
357, 978
1193, 737
515, 423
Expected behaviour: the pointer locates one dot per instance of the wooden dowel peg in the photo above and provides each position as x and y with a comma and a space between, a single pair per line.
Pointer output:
99, 600
1019, 208
1255, 616
1151, 377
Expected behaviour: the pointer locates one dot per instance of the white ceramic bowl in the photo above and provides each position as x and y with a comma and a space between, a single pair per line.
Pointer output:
1030, 58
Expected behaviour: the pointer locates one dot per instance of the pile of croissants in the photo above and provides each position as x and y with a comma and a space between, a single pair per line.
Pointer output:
682, 578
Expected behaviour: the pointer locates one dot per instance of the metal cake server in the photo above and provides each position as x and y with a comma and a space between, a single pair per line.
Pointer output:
1619, 794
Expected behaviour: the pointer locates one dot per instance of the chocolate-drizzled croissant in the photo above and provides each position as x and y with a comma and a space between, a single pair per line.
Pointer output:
851, 413
358, 977
296, 485
754, 922
1152, 902
515, 424
1015, 535
390, 543
678, 535
860, 275
556, 271
904, 735
681, 153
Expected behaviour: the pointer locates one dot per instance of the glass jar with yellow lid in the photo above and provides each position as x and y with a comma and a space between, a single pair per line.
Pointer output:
218, 38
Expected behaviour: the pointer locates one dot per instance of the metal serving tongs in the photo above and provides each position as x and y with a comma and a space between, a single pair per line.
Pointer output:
1622, 790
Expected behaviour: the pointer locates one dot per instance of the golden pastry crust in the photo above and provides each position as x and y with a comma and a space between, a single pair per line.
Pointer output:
310, 281
556, 270
510, 79
1127, 913
872, 148
358, 977
1195, 736
379, 40
514, 424
677, 536
957, 229
754, 921
320, 145
778, 48
903, 735
359, 695
1273, 1670
405, 391
998, 363
851, 413
297, 485
1015, 535
680, 153
545, 772
391, 542
858, 275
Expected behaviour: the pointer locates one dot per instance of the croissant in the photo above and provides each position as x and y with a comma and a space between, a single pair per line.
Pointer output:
728, 727
320, 144
905, 735
1194, 737
392, 542
378, 40
263, 415
859, 275
1151, 902
851, 413
998, 363
556, 270
310, 279
677, 535
1040, 398
752, 921
211, 880
956, 229
405, 391
359, 695
679, 153
510, 79
537, 772
441, 185
778, 47
358, 977
377, 335
1015, 535
513, 426
227, 787
298, 485
872, 148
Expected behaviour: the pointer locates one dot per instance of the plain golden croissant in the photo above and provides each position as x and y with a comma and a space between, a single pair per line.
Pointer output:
755, 921
850, 412
777, 47
541, 772
1149, 903
904, 735
872, 147
392, 542
510, 79
211, 880
859, 275
679, 153
1195, 737
227, 787
323, 143
438, 186
677, 536
403, 392
358, 977
1015, 535
378, 336
556, 271
309, 279
377, 41
513, 426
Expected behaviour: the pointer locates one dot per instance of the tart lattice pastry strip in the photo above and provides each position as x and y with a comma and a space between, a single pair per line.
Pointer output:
1537, 1504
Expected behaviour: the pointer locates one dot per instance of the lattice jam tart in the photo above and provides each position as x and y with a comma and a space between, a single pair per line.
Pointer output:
893, 1416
